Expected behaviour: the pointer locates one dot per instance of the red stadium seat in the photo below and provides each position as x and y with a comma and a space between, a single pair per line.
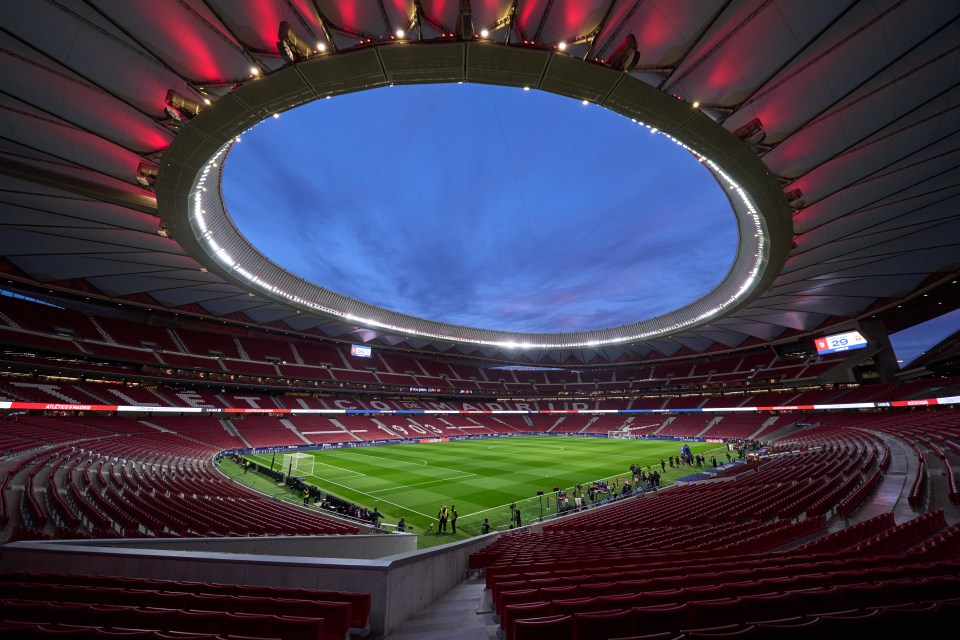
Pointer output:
815, 601
770, 606
725, 631
573, 605
512, 613
65, 632
722, 611
855, 623
797, 628
559, 627
518, 597
620, 601
901, 620
863, 596
656, 619
600, 625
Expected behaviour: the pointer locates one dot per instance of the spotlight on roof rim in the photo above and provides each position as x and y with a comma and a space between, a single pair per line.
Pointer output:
180, 107
290, 46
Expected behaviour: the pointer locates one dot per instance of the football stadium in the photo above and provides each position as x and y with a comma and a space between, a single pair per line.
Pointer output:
481, 319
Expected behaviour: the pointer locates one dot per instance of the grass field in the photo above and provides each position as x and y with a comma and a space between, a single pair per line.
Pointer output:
481, 477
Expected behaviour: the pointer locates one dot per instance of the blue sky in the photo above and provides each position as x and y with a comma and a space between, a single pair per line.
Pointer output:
484, 206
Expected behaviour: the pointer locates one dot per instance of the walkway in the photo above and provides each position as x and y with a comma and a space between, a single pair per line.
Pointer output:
891, 495
455, 616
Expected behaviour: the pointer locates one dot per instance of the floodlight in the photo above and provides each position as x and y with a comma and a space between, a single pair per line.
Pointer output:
290, 46
180, 107
795, 199
626, 56
147, 174
752, 132
484, 33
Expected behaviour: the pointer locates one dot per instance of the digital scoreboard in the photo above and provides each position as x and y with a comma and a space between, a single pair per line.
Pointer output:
840, 342
361, 351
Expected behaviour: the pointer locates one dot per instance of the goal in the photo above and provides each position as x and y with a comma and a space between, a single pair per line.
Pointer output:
298, 464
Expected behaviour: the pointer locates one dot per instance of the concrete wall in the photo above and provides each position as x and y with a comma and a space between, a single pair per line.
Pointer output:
399, 585
355, 547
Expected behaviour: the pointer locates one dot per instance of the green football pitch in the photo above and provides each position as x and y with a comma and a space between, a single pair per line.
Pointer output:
483, 477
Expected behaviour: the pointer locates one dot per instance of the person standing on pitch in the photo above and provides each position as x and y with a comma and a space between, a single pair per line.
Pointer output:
442, 520
453, 517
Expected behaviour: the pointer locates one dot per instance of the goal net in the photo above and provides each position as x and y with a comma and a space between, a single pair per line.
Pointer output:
298, 464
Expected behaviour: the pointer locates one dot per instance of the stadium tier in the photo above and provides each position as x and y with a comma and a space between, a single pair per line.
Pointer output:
190, 352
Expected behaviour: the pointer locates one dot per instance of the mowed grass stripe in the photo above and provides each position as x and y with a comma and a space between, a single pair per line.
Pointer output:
482, 477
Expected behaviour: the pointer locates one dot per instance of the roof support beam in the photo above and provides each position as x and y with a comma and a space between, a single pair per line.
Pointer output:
78, 186
599, 29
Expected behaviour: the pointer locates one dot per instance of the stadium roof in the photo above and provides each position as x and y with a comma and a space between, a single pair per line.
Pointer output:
847, 112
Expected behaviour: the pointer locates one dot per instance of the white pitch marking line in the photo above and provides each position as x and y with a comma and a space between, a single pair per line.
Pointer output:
367, 455
333, 466
417, 484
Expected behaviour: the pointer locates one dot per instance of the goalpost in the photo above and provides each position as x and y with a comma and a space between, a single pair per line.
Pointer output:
623, 435
298, 464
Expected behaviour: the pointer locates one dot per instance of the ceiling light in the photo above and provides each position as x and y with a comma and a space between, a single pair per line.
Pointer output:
696, 104
321, 47
400, 33
484, 33
561, 46
586, 102
276, 115
254, 71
